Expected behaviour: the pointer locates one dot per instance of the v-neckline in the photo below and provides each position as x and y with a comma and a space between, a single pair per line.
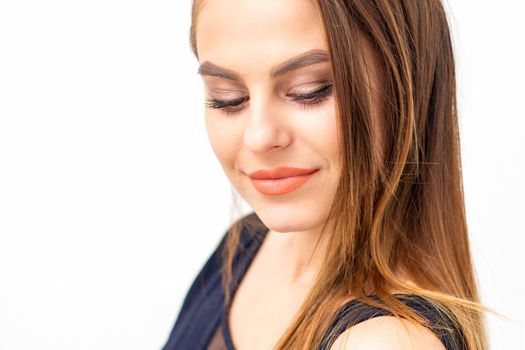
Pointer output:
239, 273
243, 267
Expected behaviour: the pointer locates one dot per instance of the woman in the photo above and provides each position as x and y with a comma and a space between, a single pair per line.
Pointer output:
336, 121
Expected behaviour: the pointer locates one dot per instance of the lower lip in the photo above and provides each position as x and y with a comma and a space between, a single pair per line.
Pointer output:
280, 186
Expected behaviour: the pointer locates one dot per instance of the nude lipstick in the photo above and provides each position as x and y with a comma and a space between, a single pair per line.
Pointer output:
280, 180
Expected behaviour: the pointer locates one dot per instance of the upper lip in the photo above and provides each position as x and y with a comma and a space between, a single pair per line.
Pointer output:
280, 172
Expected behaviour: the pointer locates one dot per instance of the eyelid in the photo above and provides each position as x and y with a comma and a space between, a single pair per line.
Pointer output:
315, 96
226, 91
312, 87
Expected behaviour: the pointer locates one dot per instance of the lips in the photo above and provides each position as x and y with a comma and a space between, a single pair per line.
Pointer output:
280, 172
280, 180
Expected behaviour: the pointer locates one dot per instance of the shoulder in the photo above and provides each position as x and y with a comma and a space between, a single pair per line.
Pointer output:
363, 325
389, 333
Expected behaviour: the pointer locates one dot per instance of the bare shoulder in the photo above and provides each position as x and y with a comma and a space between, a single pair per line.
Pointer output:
389, 333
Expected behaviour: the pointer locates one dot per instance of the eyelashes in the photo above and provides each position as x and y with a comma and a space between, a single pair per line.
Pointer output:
227, 106
305, 100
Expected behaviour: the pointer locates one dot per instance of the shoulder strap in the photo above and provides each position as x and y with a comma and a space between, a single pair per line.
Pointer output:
356, 311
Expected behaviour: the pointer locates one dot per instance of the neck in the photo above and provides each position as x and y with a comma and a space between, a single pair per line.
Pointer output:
301, 253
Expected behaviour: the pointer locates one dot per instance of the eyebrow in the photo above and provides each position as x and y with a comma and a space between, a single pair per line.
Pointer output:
305, 59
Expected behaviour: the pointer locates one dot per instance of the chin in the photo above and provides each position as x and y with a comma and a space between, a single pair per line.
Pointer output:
287, 218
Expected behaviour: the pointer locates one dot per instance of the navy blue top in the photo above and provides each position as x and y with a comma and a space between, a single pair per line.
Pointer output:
203, 308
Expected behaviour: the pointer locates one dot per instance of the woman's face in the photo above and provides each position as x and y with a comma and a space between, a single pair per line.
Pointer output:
270, 104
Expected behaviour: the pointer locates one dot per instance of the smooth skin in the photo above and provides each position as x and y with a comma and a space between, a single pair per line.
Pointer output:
270, 103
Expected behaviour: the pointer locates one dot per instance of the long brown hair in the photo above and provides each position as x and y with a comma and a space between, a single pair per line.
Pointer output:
401, 208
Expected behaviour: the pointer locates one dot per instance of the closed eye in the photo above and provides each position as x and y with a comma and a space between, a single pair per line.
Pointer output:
214, 103
314, 97
306, 99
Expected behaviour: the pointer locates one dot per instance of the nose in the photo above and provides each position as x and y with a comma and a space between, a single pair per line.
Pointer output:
266, 128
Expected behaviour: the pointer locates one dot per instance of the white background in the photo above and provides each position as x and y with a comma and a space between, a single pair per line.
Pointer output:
111, 198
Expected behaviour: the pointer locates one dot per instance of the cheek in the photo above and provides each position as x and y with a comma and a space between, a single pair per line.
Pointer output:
331, 137
223, 136
320, 129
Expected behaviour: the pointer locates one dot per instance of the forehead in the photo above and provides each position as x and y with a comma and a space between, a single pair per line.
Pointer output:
250, 35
